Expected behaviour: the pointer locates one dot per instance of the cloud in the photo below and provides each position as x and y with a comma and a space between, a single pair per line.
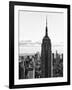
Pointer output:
38, 43
29, 43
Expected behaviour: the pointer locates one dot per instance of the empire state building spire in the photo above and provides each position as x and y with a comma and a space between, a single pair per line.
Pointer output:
46, 33
46, 55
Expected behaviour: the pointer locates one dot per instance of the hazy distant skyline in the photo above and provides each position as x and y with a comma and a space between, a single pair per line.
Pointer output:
33, 47
32, 30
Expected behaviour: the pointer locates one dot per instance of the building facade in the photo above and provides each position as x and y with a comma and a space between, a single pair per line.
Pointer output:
46, 55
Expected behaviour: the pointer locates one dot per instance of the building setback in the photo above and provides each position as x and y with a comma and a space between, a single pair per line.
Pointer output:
46, 55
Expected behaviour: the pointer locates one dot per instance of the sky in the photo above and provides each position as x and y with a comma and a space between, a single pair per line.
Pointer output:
32, 30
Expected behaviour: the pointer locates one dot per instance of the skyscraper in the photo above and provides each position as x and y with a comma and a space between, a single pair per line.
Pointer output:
46, 55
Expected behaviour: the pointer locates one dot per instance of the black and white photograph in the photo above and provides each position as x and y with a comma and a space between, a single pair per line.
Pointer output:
40, 44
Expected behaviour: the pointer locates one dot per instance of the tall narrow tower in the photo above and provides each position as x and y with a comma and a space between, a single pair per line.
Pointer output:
46, 55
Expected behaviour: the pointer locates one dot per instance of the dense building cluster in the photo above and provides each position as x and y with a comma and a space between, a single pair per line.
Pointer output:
58, 65
30, 66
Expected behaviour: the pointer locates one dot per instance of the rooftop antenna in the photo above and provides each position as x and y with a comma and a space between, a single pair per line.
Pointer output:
46, 27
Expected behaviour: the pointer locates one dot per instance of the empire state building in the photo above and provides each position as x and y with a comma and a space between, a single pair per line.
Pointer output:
46, 55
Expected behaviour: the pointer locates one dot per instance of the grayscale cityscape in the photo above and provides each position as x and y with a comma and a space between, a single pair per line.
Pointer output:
41, 65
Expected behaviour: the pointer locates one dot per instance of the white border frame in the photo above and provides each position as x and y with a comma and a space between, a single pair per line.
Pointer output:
16, 68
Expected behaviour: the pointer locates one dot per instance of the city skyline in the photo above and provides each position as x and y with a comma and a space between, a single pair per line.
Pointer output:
32, 29
41, 65
33, 47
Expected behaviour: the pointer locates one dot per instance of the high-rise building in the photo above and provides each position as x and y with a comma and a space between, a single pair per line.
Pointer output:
46, 55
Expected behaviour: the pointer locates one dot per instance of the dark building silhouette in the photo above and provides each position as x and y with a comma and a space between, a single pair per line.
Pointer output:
46, 55
57, 65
